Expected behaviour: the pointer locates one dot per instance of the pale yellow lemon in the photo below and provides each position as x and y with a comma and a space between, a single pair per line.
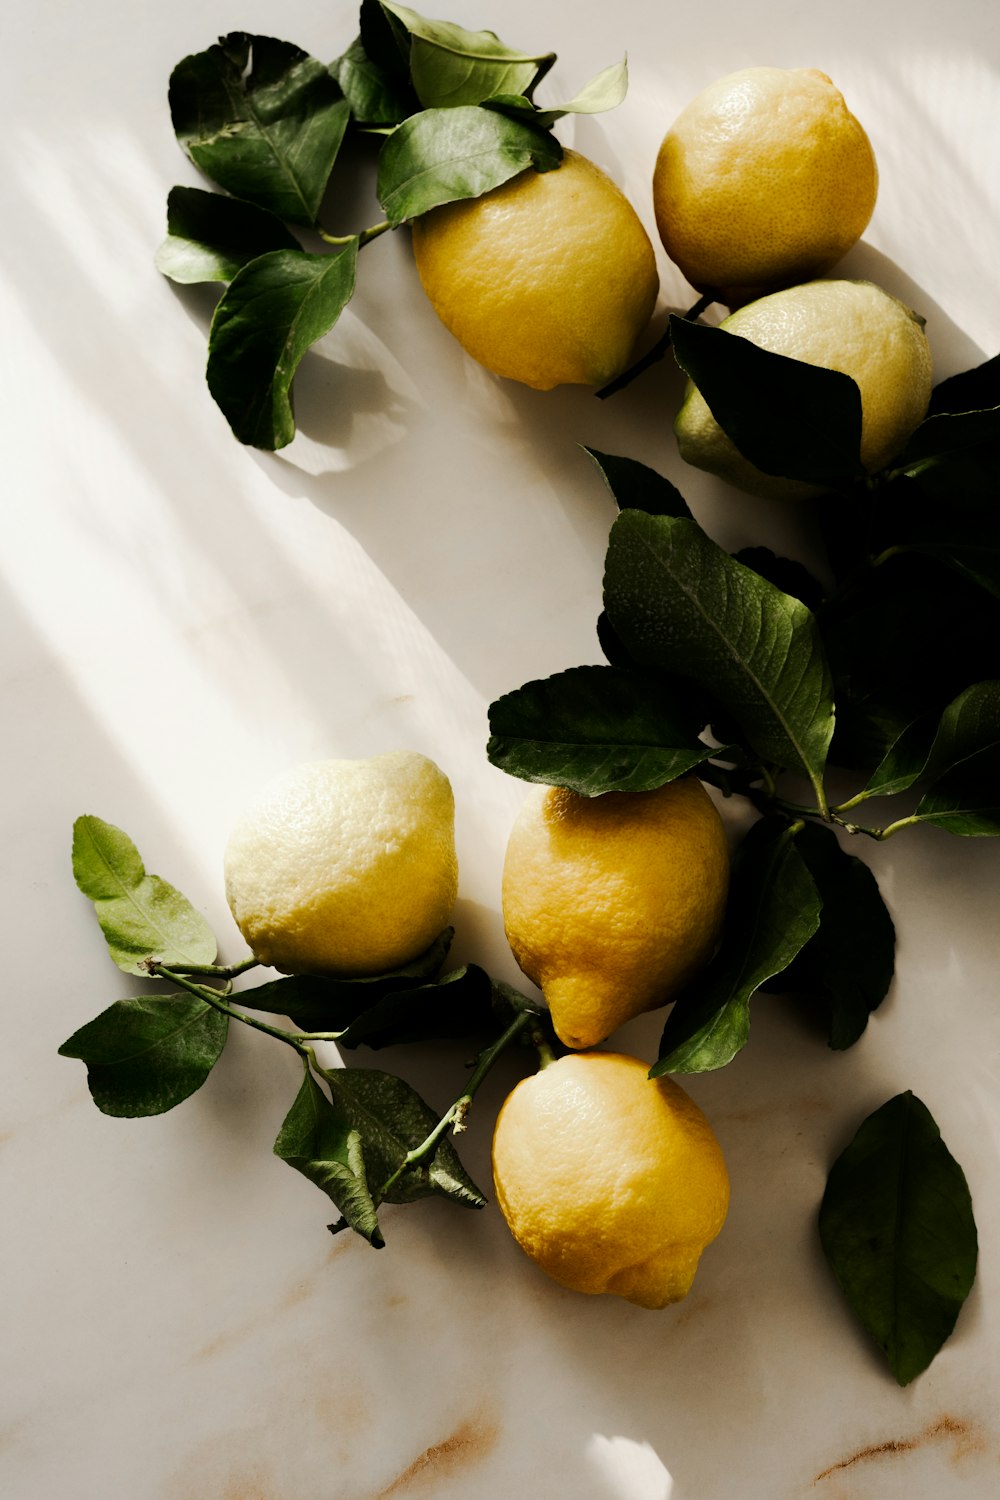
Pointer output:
548, 279
765, 179
612, 903
609, 1180
851, 326
345, 867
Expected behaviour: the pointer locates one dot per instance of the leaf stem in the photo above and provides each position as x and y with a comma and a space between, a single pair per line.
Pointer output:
217, 971
213, 998
372, 233
654, 355
456, 1114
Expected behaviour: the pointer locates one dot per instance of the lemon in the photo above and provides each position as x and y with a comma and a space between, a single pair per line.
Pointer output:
548, 279
612, 903
345, 867
609, 1180
851, 326
765, 179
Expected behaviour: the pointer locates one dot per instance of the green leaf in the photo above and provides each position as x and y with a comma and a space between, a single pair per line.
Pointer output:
209, 237
443, 155
146, 1054
452, 67
789, 418
262, 119
679, 602
320, 1142
848, 962
784, 572
773, 911
634, 486
141, 916
946, 509
456, 1006
972, 390
595, 730
375, 96
948, 432
606, 90
315, 1003
392, 1120
969, 728
273, 311
904, 761
897, 1227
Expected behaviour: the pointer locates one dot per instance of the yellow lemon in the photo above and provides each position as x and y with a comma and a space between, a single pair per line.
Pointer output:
609, 1180
345, 867
765, 179
548, 279
851, 326
612, 903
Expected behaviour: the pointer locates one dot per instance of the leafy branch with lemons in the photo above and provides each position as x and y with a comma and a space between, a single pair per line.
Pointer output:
870, 678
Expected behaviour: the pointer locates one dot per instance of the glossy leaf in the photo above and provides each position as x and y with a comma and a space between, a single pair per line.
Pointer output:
679, 602
595, 730
787, 417
785, 573
605, 90
141, 916
773, 911
391, 1120
148, 1053
451, 66
897, 1227
318, 1003
968, 728
262, 119
635, 486
848, 963
947, 432
273, 311
443, 155
210, 237
319, 1141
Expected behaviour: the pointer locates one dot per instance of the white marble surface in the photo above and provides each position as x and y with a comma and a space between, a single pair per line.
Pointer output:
183, 616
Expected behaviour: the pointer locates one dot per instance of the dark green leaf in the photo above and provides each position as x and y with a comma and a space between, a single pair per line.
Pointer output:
273, 311
966, 799
634, 486
141, 916
681, 603
376, 97
897, 1227
146, 1054
773, 911
456, 1006
947, 510
968, 729
848, 962
318, 1140
605, 91
385, 40
905, 759
947, 432
262, 119
972, 390
318, 1004
392, 1119
210, 237
789, 418
596, 730
443, 155
784, 572
451, 66
906, 640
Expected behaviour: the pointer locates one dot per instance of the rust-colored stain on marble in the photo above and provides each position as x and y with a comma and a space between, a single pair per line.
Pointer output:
298, 1292
964, 1438
469, 1444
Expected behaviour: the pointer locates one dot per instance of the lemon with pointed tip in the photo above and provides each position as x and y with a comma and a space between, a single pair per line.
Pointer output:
611, 904
763, 180
851, 326
345, 867
609, 1180
548, 279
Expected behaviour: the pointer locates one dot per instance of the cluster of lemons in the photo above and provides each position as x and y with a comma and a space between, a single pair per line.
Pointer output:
761, 185
611, 1181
